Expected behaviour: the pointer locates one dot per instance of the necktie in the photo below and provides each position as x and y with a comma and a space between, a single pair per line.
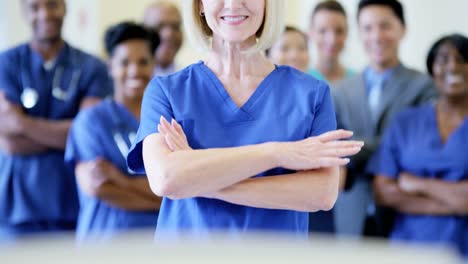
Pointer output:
374, 97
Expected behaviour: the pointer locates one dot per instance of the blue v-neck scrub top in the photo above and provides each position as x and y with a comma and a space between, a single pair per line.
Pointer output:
41, 188
105, 131
413, 144
288, 105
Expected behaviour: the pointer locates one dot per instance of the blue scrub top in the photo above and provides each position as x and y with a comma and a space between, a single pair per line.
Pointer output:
40, 187
288, 105
105, 131
413, 144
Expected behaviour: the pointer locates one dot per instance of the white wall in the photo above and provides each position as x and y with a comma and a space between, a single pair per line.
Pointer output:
87, 19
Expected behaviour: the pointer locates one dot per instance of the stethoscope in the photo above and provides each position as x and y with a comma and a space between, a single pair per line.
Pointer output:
30, 96
122, 130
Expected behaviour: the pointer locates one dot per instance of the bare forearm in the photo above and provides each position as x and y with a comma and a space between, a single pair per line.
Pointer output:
138, 184
423, 206
7, 130
52, 134
19, 145
190, 173
307, 191
126, 199
452, 194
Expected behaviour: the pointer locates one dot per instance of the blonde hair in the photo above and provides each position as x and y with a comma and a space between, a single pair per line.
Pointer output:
200, 33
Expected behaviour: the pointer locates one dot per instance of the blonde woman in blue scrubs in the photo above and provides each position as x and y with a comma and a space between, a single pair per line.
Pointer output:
261, 149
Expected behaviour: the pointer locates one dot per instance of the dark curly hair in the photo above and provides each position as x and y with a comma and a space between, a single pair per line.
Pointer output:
459, 41
127, 30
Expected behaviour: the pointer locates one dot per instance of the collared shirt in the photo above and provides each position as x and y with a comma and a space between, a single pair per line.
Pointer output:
371, 77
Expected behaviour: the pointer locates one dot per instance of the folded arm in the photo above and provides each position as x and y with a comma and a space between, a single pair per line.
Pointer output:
225, 173
41, 133
388, 193
453, 195
20, 145
307, 191
104, 181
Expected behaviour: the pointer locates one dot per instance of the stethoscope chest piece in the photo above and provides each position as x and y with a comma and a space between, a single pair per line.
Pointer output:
29, 97
58, 93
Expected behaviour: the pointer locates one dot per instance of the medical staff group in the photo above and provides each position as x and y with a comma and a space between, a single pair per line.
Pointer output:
240, 141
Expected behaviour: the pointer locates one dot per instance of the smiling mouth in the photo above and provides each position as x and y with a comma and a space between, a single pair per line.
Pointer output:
136, 82
454, 79
234, 19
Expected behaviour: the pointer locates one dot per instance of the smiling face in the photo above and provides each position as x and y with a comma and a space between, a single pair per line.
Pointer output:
329, 31
131, 67
45, 18
450, 71
381, 32
234, 21
291, 49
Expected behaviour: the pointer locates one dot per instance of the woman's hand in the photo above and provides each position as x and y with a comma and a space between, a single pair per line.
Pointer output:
326, 150
322, 151
91, 175
410, 183
173, 134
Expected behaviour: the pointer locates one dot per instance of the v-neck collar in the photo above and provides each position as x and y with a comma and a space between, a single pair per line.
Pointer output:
435, 121
129, 117
61, 58
246, 108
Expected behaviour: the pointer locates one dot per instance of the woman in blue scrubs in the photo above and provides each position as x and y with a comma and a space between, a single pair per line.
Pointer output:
263, 150
421, 167
291, 48
113, 200
43, 85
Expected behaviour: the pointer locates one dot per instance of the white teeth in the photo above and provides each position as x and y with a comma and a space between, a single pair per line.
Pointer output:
135, 82
453, 79
234, 19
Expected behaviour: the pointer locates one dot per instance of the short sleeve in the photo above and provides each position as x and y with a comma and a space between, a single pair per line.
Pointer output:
97, 82
155, 104
385, 160
324, 119
9, 82
82, 141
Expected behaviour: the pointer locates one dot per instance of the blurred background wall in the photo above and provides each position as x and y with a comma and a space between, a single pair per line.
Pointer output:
87, 20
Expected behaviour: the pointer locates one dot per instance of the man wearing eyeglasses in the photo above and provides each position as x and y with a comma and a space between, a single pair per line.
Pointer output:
164, 17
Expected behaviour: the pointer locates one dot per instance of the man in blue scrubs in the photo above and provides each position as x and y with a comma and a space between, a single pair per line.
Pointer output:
43, 85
